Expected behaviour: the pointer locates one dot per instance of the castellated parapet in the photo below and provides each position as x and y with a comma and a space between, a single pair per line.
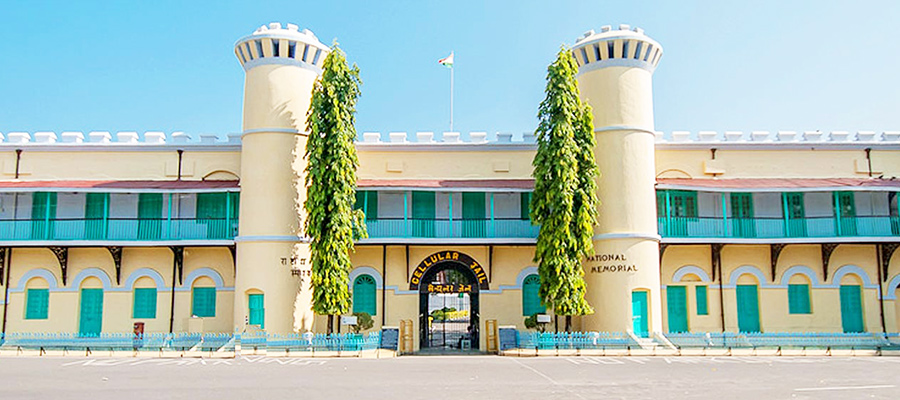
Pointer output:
158, 138
277, 44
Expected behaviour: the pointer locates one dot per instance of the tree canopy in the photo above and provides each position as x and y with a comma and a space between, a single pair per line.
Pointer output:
564, 201
331, 221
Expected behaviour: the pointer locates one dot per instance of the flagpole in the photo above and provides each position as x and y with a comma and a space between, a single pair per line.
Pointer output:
451, 96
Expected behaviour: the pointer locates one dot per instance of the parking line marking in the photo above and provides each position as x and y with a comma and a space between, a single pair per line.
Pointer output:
844, 388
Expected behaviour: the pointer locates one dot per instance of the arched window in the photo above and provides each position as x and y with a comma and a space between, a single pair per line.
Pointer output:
531, 299
364, 294
144, 299
37, 299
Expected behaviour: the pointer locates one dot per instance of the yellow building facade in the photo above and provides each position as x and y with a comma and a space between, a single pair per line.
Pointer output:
697, 231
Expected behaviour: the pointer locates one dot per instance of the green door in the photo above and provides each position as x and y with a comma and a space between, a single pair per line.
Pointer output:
639, 313
43, 215
851, 309
211, 211
474, 224
676, 300
96, 211
847, 210
91, 320
149, 216
423, 214
742, 215
795, 214
257, 310
748, 308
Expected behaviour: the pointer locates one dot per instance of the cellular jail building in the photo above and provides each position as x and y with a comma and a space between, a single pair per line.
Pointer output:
698, 232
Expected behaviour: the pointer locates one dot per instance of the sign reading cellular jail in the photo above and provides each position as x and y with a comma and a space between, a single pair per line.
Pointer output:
453, 259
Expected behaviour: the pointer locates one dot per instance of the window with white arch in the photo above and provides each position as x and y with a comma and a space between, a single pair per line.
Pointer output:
364, 294
531, 298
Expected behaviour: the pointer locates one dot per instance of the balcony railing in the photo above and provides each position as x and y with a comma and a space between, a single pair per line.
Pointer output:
120, 229
446, 228
769, 228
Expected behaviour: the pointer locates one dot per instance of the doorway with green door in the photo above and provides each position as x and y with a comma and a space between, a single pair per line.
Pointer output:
90, 322
640, 300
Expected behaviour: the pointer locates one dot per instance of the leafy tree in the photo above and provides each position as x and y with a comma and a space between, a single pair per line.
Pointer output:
564, 201
364, 322
331, 222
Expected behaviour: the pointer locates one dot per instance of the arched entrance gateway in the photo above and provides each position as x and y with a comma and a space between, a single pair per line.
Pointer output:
448, 283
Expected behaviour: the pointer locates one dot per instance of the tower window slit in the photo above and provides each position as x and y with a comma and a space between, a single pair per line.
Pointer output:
655, 57
597, 52
240, 54
611, 48
316, 57
625, 49
292, 49
584, 56
247, 49
305, 52
276, 49
649, 51
259, 51
637, 50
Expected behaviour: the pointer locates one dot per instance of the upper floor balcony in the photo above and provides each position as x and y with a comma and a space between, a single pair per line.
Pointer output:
815, 215
410, 216
146, 216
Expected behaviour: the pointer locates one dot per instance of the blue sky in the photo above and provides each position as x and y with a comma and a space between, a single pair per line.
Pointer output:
760, 65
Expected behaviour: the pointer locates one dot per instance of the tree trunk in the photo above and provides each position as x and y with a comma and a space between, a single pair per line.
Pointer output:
568, 323
330, 324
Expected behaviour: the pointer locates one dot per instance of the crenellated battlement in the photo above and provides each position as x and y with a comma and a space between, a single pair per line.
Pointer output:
149, 138
277, 44
622, 47
701, 138
867, 138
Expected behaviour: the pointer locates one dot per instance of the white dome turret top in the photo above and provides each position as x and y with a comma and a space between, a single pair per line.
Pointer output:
277, 44
623, 47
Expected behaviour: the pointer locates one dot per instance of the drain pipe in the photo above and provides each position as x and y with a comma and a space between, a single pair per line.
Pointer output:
180, 158
383, 278
18, 161
879, 256
6, 267
172, 302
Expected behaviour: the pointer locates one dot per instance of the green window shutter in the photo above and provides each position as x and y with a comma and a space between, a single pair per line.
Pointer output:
423, 214
847, 203
795, 205
748, 308
423, 205
364, 295
210, 205
257, 306
525, 205
702, 300
360, 200
798, 299
531, 296
370, 204
851, 309
684, 204
95, 214
37, 301
144, 303
660, 203
43, 214
474, 223
742, 215
235, 205
95, 205
473, 205
203, 302
149, 215
676, 299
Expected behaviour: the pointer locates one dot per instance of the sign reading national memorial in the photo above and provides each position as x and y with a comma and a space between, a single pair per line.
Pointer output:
616, 262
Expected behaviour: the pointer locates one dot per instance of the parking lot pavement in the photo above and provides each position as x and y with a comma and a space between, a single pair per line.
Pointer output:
483, 377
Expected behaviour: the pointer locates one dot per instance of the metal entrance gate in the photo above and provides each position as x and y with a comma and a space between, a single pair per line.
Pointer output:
448, 309
450, 321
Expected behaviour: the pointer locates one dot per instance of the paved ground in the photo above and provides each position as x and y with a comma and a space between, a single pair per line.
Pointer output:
473, 377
